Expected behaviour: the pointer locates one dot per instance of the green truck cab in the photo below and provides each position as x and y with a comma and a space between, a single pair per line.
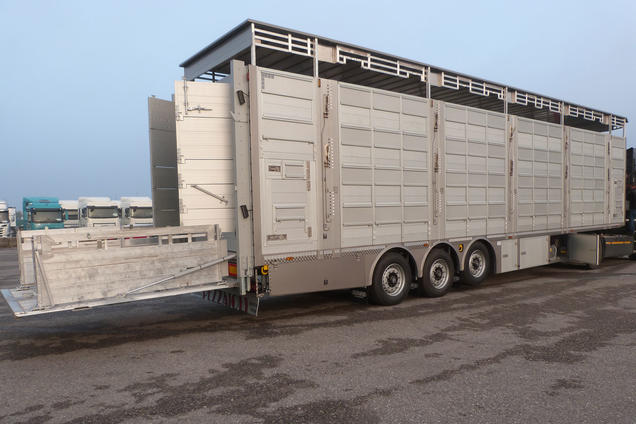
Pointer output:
41, 212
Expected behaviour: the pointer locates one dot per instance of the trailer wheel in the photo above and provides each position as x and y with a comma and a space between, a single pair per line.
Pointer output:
391, 280
476, 265
437, 278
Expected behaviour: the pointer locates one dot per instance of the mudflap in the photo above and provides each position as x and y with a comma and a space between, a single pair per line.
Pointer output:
234, 300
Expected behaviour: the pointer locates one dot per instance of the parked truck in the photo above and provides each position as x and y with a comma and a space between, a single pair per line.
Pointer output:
98, 212
7, 220
70, 211
41, 213
136, 212
291, 163
13, 221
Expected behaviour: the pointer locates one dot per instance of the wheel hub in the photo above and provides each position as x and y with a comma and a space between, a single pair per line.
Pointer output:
477, 263
439, 274
393, 279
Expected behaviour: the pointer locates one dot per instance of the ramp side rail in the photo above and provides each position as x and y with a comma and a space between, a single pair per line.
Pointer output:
82, 267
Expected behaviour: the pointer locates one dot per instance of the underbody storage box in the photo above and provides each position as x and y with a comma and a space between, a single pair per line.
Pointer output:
616, 246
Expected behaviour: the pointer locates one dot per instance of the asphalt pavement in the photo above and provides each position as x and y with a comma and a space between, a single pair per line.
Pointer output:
554, 344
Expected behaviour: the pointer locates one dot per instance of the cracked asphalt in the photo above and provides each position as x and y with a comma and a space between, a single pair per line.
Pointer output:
555, 344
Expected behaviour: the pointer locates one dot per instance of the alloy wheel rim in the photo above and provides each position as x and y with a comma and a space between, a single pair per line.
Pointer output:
393, 279
477, 263
439, 274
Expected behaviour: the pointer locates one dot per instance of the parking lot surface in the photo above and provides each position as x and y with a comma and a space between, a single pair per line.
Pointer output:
550, 344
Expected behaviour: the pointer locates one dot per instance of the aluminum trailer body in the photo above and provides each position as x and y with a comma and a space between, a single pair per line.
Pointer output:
341, 154
321, 165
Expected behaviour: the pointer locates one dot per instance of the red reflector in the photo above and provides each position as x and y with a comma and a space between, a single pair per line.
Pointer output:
231, 269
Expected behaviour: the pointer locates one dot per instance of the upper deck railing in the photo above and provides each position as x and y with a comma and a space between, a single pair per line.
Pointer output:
294, 51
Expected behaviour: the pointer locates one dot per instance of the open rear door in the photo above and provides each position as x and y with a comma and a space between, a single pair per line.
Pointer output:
195, 184
163, 162
204, 152
213, 161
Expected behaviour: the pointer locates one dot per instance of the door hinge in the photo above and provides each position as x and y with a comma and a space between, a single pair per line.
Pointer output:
327, 160
198, 109
331, 205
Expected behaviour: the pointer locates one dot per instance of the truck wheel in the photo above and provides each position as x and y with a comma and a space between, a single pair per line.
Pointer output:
391, 280
438, 274
476, 265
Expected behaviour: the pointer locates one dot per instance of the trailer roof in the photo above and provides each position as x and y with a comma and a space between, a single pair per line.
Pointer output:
296, 51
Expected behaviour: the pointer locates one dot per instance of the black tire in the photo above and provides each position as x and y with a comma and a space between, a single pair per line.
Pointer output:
476, 265
391, 280
438, 275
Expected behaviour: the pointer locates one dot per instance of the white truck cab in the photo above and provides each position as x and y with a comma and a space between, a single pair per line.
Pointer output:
98, 212
70, 213
5, 221
136, 212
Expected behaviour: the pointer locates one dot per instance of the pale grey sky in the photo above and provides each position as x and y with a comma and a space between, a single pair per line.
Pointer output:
76, 74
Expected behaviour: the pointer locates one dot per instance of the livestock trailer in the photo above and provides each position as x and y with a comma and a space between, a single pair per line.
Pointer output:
292, 163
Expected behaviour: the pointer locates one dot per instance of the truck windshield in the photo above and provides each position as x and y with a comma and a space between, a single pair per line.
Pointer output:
71, 214
45, 216
4, 216
138, 212
103, 212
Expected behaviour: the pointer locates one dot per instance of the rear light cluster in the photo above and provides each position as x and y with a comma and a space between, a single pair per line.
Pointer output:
231, 268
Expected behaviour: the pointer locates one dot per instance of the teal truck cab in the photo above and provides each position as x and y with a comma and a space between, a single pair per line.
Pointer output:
41, 212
